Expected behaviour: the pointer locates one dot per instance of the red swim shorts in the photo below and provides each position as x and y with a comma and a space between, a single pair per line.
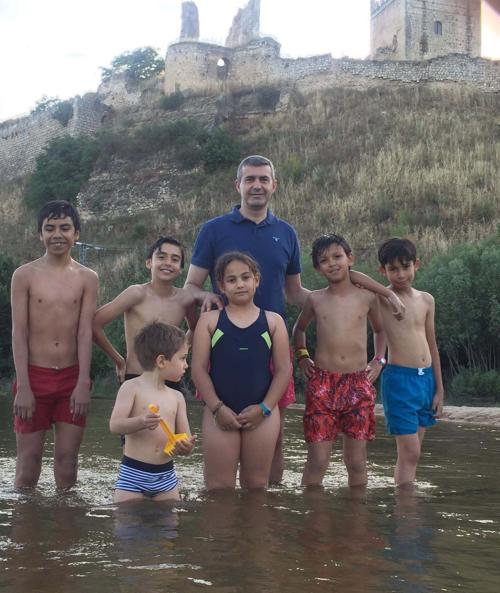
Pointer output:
52, 389
339, 402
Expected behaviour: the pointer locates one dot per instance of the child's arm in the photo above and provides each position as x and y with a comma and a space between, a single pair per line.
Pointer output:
365, 281
127, 299
80, 398
437, 402
379, 340
304, 361
253, 415
24, 402
224, 416
182, 425
121, 422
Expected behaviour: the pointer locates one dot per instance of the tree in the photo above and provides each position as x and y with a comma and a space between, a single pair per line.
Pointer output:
61, 170
139, 64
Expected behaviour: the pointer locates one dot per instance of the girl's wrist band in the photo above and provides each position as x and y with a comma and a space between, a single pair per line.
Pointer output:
217, 408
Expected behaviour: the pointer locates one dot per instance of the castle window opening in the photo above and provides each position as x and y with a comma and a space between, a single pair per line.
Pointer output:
438, 28
222, 68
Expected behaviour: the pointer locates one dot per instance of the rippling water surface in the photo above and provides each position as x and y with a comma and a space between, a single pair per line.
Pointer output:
443, 536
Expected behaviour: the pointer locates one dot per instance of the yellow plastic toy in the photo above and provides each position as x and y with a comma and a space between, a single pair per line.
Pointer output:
172, 438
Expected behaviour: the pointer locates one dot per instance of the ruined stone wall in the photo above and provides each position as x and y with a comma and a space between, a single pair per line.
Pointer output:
437, 28
388, 33
22, 140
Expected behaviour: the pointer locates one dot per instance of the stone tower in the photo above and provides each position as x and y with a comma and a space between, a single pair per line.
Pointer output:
423, 29
190, 24
246, 25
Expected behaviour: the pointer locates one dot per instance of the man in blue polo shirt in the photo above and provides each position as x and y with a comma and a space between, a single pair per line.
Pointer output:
252, 228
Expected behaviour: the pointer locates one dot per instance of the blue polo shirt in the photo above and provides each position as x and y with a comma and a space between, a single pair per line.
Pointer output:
273, 243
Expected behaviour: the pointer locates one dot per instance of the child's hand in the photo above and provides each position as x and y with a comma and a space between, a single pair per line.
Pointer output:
250, 417
372, 370
306, 365
150, 420
184, 447
24, 404
79, 402
120, 370
226, 419
398, 307
437, 404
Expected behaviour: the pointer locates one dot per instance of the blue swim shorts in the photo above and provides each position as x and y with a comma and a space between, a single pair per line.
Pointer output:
407, 395
146, 478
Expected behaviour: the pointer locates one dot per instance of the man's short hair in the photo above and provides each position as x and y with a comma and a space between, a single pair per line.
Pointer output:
171, 241
155, 339
255, 160
397, 249
321, 244
58, 209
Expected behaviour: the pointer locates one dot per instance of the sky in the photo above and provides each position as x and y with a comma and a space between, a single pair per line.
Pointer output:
56, 47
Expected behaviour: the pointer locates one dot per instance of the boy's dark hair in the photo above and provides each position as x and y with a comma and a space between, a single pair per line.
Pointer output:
155, 339
171, 241
255, 160
226, 258
322, 243
58, 209
397, 249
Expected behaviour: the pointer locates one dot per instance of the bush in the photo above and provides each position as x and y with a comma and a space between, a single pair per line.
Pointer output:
63, 112
470, 386
220, 150
172, 102
7, 268
61, 170
44, 104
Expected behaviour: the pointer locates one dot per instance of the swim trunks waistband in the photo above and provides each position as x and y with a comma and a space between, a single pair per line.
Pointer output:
395, 368
152, 468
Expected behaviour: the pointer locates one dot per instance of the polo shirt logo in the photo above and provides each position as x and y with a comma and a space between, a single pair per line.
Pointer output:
276, 239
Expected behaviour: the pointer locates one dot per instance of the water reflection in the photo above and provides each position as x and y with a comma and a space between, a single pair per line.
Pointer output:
443, 535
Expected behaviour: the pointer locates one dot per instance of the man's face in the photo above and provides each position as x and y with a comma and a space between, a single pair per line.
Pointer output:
256, 187
58, 235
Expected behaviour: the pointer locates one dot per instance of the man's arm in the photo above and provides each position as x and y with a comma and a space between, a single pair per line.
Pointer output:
295, 293
24, 402
430, 332
125, 301
195, 280
304, 361
379, 340
360, 279
80, 398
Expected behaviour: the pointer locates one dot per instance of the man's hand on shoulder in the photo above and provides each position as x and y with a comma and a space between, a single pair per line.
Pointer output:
210, 301
80, 400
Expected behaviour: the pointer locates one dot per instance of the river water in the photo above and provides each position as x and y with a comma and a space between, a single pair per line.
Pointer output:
442, 536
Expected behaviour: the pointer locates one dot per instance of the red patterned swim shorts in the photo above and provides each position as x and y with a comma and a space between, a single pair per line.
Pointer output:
339, 402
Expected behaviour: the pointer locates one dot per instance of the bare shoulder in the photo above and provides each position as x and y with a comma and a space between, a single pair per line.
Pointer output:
426, 297
88, 275
25, 272
136, 293
209, 319
128, 388
274, 320
317, 296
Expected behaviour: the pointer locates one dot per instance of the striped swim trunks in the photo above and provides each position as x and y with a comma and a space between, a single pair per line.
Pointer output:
146, 478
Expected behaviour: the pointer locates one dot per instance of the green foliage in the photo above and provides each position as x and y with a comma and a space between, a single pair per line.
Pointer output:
139, 231
63, 112
479, 387
7, 268
267, 97
293, 168
220, 151
44, 104
466, 285
173, 101
61, 170
140, 64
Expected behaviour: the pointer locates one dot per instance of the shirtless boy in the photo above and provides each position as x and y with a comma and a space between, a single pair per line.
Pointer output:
340, 396
141, 304
53, 303
146, 471
412, 386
